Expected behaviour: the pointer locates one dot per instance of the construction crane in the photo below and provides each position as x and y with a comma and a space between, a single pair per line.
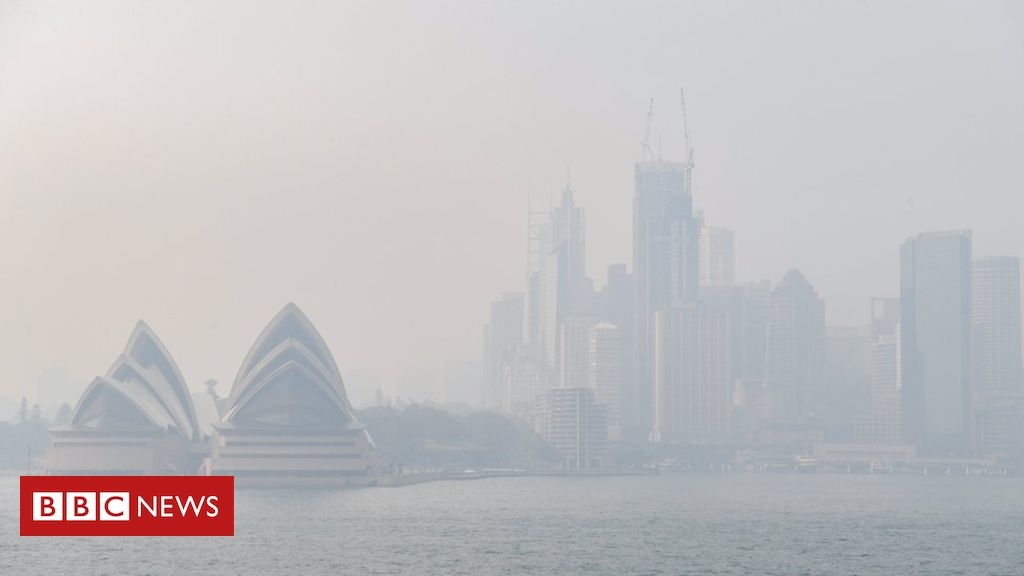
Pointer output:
645, 146
686, 130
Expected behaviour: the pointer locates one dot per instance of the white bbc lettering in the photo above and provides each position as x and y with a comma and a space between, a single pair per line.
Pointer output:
60, 506
143, 504
211, 502
114, 506
48, 506
168, 506
80, 506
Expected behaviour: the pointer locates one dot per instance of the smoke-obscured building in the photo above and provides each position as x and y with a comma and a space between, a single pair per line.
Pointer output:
996, 354
746, 306
995, 326
605, 373
574, 356
136, 419
935, 341
618, 310
525, 383
665, 269
885, 316
288, 418
845, 388
999, 427
795, 349
692, 375
717, 249
576, 426
882, 424
287, 421
538, 242
564, 285
503, 336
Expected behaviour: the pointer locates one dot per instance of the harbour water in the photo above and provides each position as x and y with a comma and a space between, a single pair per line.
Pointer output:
670, 524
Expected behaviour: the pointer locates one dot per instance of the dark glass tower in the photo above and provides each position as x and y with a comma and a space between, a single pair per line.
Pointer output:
935, 341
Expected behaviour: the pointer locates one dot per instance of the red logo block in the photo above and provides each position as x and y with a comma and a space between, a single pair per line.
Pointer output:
127, 506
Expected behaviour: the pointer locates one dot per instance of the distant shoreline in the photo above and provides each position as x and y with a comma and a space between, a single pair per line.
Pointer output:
414, 478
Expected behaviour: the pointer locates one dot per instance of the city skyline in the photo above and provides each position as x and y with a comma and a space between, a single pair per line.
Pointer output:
485, 287
771, 148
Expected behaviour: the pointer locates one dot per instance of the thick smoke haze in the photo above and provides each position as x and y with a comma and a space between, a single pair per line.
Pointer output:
199, 166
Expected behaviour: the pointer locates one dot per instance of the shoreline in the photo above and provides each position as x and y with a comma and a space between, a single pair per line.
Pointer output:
418, 477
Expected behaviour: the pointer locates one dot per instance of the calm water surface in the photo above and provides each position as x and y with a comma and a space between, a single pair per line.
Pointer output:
672, 524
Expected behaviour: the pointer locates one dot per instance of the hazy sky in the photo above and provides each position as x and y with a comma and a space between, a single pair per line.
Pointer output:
199, 166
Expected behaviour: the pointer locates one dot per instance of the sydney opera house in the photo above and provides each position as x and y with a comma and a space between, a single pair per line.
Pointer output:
136, 419
287, 419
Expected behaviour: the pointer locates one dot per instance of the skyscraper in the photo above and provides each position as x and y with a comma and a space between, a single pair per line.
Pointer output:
564, 285
548, 314
717, 255
665, 267
995, 326
574, 353
885, 316
538, 242
995, 350
502, 336
795, 348
935, 343
619, 302
523, 384
844, 393
568, 241
605, 373
692, 375
881, 424
746, 306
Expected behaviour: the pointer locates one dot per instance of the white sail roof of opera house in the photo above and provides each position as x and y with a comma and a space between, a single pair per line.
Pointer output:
289, 379
142, 389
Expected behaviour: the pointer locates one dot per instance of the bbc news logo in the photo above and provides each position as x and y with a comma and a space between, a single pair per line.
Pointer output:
127, 506
114, 506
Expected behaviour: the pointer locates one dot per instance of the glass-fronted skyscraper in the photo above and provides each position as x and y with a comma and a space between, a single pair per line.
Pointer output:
665, 266
935, 341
